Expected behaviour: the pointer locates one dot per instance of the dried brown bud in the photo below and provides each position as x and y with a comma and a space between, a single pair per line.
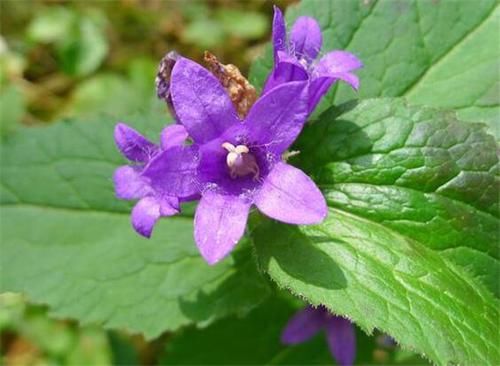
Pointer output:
163, 79
241, 92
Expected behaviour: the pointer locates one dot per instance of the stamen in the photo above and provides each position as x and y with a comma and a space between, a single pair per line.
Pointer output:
228, 146
241, 149
240, 162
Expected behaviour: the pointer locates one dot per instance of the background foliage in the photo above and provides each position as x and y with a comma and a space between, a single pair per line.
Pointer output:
411, 243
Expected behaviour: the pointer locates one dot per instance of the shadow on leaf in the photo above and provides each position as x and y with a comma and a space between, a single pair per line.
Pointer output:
243, 289
331, 138
297, 255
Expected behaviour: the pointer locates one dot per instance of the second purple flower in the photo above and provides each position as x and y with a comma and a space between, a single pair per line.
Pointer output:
295, 58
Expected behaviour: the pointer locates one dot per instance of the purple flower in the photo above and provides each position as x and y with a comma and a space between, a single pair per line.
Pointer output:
235, 164
130, 183
340, 332
296, 59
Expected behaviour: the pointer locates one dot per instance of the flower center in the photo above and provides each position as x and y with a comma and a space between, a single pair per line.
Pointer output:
240, 162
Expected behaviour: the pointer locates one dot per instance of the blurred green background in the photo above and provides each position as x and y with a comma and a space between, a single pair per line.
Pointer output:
63, 58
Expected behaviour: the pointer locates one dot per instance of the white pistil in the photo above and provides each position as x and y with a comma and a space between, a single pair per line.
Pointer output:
240, 162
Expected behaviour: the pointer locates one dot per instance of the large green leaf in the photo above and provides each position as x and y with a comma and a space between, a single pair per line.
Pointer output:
412, 193
381, 279
439, 53
66, 241
415, 170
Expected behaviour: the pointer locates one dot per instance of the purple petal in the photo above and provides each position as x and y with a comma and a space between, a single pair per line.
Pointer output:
349, 78
128, 183
289, 195
200, 101
317, 89
320, 86
144, 215
219, 224
305, 324
337, 62
173, 135
279, 32
148, 210
287, 68
335, 65
173, 172
305, 38
133, 145
169, 206
341, 337
277, 118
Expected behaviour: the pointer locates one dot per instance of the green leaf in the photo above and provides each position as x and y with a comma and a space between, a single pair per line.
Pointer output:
12, 107
380, 279
439, 53
464, 78
415, 170
412, 193
66, 241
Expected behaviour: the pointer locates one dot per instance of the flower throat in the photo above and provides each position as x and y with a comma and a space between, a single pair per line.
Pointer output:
240, 161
